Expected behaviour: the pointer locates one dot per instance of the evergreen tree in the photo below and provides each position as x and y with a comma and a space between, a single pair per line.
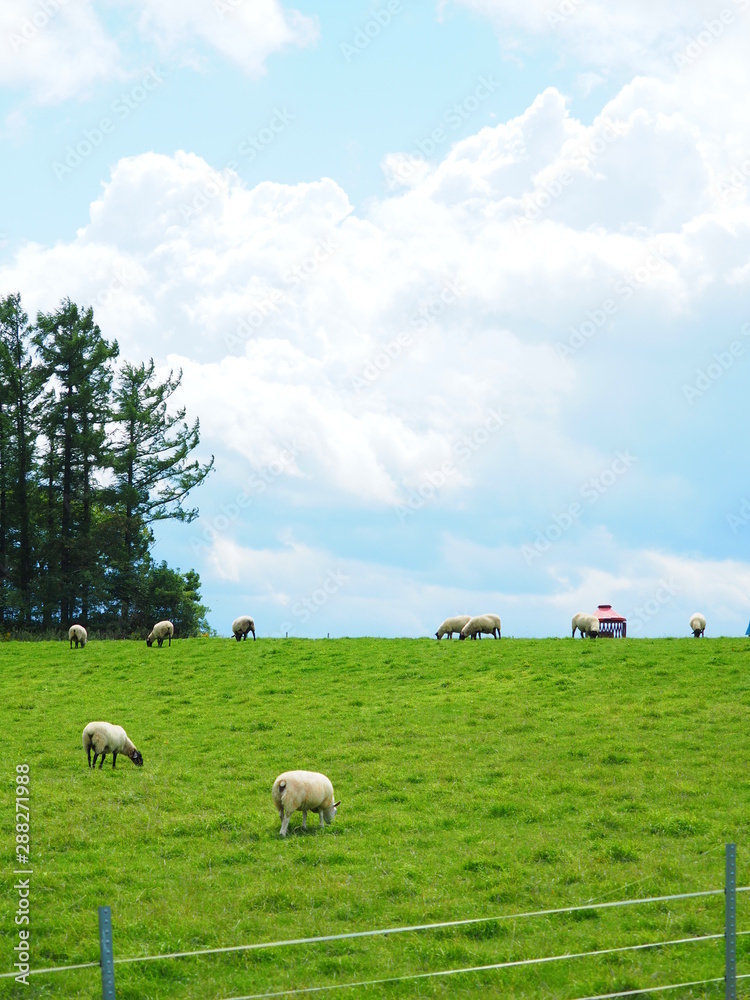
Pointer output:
153, 474
20, 386
78, 361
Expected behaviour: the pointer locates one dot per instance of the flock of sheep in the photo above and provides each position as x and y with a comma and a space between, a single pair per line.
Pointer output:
299, 791
467, 626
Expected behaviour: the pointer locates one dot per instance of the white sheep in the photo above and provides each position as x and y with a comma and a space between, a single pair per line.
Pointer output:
451, 625
241, 626
76, 634
160, 632
489, 624
308, 791
106, 738
698, 624
588, 625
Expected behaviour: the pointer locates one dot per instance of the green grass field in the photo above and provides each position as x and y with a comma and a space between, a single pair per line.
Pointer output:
476, 778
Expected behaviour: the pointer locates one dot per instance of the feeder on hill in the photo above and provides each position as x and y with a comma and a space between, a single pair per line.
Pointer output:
611, 625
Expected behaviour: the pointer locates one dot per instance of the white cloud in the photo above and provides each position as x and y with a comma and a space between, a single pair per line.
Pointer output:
57, 50
244, 31
639, 36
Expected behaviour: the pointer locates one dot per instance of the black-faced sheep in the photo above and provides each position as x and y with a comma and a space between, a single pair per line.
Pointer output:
106, 738
160, 632
241, 626
76, 634
588, 625
489, 624
451, 625
698, 625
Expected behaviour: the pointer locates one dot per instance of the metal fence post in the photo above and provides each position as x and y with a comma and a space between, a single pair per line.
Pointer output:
106, 953
730, 928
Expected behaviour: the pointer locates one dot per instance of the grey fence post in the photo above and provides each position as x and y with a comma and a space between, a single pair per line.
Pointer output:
106, 953
730, 928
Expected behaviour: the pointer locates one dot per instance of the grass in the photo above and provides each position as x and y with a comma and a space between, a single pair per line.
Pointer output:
477, 779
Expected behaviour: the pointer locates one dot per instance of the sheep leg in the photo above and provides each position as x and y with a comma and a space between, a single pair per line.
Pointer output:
284, 825
322, 821
101, 764
114, 759
88, 754
170, 641
304, 819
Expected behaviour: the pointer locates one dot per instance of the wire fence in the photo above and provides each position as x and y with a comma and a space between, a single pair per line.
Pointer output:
107, 961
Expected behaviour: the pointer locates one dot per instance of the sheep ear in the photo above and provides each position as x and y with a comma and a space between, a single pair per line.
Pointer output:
337, 804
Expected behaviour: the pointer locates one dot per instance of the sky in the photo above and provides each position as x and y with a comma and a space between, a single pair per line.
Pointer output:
458, 288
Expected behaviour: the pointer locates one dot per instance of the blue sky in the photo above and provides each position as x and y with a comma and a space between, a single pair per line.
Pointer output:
459, 291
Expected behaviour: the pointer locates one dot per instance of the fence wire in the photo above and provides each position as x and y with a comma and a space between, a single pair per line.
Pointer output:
480, 968
384, 931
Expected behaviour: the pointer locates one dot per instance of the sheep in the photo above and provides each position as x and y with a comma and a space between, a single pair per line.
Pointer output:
698, 624
106, 738
308, 791
76, 634
575, 623
451, 625
588, 625
160, 632
490, 624
241, 626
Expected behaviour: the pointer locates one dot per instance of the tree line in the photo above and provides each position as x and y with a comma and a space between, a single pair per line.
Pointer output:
92, 455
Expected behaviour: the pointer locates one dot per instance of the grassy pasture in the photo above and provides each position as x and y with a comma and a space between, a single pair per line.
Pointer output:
476, 778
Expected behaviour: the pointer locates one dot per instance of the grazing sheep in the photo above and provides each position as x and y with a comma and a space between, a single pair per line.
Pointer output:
308, 791
76, 634
106, 738
160, 632
241, 626
489, 624
588, 625
698, 624
451, 625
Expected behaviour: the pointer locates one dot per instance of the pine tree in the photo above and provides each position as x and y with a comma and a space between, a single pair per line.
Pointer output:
20, 386
78, 361
153, 474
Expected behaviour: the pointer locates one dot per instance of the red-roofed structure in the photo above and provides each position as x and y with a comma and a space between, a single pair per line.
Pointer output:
611, 625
